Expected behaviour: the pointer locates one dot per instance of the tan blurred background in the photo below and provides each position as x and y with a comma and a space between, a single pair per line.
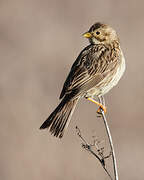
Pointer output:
39, 41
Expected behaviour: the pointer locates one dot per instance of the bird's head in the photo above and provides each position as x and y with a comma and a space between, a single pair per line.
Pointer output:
101, 33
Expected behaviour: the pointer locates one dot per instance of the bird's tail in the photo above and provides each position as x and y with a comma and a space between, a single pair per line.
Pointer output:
59, 119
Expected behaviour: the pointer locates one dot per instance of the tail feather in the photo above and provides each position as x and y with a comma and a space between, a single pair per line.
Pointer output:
59, 119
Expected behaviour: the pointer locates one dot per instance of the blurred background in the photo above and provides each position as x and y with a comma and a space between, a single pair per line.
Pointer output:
39, 41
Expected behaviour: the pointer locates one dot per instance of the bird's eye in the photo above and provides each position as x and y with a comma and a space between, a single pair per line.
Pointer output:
97, 33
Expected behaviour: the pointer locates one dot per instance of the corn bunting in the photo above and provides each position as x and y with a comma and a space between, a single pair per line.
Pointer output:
97, 69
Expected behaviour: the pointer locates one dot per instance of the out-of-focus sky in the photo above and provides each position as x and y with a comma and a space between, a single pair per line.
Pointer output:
39, 41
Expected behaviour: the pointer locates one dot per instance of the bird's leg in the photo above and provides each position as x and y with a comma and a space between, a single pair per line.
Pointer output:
101, 104
101, 100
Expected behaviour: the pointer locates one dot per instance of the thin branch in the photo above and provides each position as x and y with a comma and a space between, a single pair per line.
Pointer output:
99, 154
110, 141
87, 146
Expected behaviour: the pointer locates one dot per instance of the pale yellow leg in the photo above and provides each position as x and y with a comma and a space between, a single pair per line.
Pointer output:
100, 105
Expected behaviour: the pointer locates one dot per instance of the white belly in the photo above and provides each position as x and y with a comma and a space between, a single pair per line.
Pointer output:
103, 90
116, 78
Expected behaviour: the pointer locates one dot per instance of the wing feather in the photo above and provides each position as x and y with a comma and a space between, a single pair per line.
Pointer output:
89, 69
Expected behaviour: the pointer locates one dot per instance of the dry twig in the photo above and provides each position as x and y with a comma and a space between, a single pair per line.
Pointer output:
99, 154
101, 100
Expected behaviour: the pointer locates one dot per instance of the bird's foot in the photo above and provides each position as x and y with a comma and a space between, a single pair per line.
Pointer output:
100, 106
103, 108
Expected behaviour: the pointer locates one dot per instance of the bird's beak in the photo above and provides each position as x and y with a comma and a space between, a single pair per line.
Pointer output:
87, 35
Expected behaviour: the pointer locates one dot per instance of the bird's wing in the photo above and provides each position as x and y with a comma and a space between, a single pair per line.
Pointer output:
89, 69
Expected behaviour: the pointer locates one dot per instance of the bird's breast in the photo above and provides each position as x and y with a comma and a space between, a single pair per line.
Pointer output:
112, 80
109, 81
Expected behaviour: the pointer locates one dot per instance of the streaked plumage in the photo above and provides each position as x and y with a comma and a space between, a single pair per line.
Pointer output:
97, 69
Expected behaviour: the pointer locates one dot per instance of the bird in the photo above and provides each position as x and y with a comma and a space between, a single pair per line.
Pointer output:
96, 70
